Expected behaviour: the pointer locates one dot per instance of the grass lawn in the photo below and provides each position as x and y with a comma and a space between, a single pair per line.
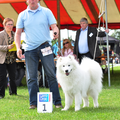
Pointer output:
17, 107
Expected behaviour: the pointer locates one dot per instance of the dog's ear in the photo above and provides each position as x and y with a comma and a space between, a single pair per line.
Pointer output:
70, 57
60, 59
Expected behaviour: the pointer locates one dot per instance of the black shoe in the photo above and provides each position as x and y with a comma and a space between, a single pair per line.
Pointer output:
58, 106
20, 85
13, 93
1, 97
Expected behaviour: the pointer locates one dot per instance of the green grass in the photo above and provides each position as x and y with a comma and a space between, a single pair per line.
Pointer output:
114, 77
17, 107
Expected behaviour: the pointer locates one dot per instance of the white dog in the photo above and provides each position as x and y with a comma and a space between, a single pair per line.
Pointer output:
79, 80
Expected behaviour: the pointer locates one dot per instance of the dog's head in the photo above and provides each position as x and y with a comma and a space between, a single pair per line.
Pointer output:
66, 64
67, 68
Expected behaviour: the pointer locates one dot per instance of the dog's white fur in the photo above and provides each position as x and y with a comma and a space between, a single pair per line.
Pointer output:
79, 80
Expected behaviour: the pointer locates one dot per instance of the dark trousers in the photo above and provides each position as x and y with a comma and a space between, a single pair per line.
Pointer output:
19, 76
10, 68
80, 56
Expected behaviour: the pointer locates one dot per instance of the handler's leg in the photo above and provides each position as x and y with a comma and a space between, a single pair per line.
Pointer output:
49, 67
31, 59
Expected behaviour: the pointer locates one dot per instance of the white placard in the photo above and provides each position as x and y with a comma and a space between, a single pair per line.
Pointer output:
44, 102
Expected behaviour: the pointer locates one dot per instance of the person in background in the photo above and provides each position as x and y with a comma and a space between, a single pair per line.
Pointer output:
36, 22
65, 51
103, 62
7, 59
67, 48
85, 41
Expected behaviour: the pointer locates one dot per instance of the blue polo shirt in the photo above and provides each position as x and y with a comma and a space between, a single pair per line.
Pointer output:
36, 25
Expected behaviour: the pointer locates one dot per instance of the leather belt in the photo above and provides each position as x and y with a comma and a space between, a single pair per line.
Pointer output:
44, 43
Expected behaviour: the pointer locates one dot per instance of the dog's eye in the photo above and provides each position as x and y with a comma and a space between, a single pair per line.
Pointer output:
63, 65
68, 65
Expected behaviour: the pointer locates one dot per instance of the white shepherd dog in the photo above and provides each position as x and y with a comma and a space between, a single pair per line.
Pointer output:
79, 80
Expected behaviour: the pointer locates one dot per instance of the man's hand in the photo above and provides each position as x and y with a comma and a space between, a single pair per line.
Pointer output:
19, 53
107, 30
55, 35
55, 31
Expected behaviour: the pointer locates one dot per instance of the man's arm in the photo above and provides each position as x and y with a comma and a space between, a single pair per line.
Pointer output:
18, 42
55, 30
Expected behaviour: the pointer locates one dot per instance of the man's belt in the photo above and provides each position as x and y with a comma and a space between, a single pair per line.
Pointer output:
44, 43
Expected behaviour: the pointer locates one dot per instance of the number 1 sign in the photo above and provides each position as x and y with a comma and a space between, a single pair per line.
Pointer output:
44, 102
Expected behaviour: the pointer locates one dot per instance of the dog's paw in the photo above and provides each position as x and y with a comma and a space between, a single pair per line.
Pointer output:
77, 108
96, 106
64, 109
85, 106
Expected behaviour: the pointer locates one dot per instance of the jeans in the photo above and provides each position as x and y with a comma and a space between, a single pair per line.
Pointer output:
32, 59
19, 76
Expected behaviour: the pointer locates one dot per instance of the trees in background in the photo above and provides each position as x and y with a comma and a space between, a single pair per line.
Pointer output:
116, 34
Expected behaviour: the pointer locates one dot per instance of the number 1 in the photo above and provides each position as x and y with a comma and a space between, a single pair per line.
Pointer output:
44, 108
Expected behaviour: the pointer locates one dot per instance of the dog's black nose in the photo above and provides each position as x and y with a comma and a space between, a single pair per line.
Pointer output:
66, 71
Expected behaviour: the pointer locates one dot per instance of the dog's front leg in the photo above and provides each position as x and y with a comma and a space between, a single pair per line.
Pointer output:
78, 101
68, 101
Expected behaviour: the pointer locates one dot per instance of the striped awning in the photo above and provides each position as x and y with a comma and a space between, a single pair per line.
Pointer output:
71, 11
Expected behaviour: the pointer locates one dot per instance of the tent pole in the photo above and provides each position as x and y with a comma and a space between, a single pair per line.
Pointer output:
58, 19
67, 31
107, 44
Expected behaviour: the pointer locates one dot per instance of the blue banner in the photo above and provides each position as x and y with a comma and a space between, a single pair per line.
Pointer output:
44, 98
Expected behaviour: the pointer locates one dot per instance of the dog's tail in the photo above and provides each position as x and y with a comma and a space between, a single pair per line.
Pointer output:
95, 71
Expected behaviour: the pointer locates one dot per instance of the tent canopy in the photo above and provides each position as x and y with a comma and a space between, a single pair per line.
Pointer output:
103, 41
71, 11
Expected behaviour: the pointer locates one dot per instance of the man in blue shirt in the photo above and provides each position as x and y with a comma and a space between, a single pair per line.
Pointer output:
85, 41
36, 22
